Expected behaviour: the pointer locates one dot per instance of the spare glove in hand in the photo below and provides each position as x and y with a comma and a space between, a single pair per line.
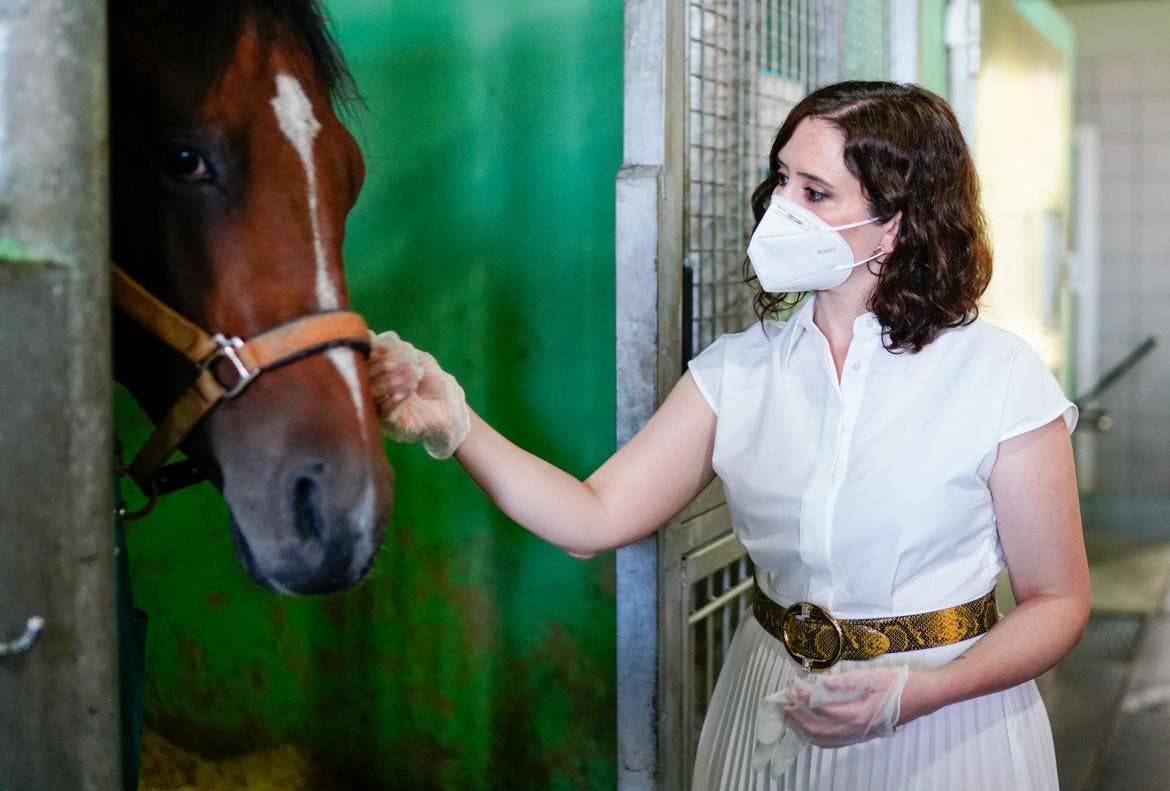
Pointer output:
847, 708
827, 711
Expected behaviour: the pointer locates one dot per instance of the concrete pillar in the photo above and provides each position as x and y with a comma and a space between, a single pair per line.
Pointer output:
58, 700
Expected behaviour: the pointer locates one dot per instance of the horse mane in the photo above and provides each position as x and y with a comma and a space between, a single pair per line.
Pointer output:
199, 36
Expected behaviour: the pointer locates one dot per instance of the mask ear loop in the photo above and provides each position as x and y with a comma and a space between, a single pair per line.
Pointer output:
865, 261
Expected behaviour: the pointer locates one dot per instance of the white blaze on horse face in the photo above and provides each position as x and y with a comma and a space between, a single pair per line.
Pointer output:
294, 114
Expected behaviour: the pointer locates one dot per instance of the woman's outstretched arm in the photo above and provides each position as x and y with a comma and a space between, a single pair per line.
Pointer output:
650, 479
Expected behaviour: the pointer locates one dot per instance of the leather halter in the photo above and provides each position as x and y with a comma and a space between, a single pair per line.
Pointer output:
226, 366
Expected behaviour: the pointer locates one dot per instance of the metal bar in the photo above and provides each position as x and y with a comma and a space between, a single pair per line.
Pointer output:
719, 601
708, 650
649, 198
745, 572
24, 643
804, 47
677, 748
785, 37
1117, 371
725, 626
59, 711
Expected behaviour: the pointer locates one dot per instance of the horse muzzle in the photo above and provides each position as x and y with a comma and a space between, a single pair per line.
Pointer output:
310, 540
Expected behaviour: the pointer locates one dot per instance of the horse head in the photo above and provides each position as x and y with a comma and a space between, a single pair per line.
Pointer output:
231, 178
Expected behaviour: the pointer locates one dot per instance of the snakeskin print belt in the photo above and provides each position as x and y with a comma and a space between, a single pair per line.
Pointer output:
817, 640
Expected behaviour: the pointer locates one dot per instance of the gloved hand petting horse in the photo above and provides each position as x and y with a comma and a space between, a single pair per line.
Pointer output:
416, 400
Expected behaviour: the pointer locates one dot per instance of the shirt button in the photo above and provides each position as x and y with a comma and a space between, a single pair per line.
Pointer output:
856, 366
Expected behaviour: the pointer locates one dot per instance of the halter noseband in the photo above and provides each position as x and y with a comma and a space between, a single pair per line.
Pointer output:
226, 366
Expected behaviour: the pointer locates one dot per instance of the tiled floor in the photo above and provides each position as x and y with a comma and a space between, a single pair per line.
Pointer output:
1109, 699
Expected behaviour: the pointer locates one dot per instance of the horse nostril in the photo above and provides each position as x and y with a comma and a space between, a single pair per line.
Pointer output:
307, 509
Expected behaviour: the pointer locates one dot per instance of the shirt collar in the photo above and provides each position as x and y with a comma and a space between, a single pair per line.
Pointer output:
798, 325
864, 326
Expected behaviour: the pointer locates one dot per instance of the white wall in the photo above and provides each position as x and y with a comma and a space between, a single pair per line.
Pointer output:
1123, 89
1023, 135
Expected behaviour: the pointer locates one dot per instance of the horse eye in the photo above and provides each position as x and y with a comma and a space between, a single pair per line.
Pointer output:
184, 163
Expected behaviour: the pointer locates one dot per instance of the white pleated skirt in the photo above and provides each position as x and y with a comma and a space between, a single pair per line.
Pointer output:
998, 742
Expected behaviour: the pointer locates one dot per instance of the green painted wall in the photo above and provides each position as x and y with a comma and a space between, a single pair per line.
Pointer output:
932, 50
474, 656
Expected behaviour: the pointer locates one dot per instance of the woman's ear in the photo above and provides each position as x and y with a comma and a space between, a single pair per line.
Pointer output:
889, 240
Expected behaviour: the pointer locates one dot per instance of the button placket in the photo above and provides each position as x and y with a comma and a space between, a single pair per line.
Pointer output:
851, 390
817, 510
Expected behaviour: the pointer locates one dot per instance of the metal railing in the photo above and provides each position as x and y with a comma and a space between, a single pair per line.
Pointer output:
1096, 418
717, 595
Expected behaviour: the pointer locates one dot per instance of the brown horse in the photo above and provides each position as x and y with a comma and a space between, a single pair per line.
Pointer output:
231, 181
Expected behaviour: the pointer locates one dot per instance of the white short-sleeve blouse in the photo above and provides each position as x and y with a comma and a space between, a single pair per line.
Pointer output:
870, 496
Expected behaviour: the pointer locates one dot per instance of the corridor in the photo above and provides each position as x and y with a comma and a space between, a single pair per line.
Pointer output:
1109, 699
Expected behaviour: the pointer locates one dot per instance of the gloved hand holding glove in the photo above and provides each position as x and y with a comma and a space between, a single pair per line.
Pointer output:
415, 398
828, 711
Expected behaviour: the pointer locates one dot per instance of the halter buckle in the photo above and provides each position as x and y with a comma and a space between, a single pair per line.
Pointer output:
227, 350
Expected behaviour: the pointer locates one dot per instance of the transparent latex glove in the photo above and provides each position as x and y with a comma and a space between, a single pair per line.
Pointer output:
846, 708
828, 711
777, 744
415, 398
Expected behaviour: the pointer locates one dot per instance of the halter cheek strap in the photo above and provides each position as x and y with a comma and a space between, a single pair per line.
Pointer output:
226, 366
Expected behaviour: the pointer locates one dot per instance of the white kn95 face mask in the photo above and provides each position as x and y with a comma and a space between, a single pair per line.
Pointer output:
794, 250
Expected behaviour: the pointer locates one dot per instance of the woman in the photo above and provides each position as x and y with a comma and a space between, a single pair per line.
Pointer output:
885, 454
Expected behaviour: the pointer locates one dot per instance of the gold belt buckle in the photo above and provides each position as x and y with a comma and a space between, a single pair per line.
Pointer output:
803, 611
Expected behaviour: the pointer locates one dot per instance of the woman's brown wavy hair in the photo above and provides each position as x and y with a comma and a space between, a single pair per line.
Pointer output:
904, 145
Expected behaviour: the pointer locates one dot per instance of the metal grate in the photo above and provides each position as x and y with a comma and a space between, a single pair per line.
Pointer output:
749, 62
1109, 637
718, 602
